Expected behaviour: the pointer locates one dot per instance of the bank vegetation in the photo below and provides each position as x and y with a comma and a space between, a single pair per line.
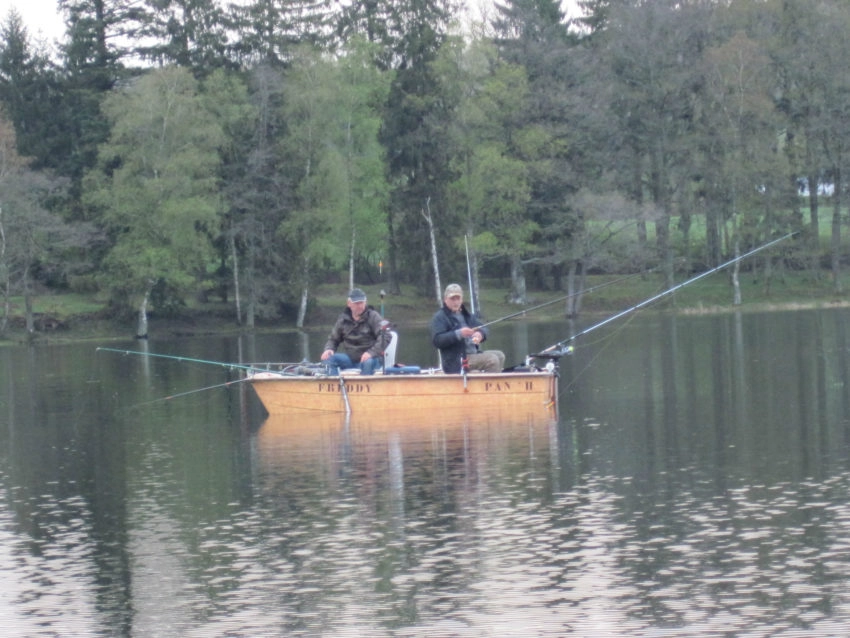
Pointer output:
250, 162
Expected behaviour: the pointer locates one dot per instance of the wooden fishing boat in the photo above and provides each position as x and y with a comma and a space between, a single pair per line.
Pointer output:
284, 391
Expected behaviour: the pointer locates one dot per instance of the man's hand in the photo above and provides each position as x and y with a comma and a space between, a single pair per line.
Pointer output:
327, 354
365, 357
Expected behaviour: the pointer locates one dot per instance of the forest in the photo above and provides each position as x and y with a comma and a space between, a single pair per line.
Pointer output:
251, 151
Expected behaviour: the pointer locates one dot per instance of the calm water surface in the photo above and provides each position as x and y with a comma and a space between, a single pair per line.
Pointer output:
696, 483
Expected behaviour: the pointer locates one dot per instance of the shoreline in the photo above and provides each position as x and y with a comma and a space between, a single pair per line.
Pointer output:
201, 323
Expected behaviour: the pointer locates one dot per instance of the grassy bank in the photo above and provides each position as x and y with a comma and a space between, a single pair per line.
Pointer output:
71, 317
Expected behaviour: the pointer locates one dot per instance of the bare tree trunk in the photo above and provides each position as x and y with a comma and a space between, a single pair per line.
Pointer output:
142, 322
351, 256
814, 182
836, 230
392, 256
305, 294
236, 293
518, 290
251, 310
736, 270
570, 311
427, 215
30, 319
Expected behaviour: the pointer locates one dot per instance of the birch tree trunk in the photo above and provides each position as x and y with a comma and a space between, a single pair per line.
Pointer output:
736, 270
142, 324
427, 215
251, 310
236, 293
30, 319
305, 294
518, 289
570, 305
351, 256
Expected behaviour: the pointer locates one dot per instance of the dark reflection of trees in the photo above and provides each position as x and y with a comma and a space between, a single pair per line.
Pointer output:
58, 450
572, 436
718, 363
670, 373
803, 353
820, 456
812, 419
842, 376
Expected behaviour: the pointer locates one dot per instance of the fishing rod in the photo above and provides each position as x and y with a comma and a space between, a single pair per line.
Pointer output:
224, 364
557, 350
564, 298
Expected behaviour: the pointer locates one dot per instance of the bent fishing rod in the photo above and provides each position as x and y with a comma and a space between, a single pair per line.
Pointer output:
558, 349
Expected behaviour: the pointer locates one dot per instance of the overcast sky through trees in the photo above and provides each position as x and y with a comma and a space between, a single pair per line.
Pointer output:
43, 16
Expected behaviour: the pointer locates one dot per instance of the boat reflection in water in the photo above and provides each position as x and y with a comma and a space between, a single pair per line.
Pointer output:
383, 520
319, 438
396, 451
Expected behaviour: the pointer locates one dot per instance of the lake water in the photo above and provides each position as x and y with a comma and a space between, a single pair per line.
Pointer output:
696, 483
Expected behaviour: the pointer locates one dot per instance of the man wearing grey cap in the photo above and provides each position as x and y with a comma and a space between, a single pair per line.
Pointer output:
457, 333
359, 336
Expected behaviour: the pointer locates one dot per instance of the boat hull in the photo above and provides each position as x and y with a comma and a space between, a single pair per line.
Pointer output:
523, 391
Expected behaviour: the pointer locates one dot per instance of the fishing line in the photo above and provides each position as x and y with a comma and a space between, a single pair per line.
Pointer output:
597, 353
646, 302
188, 392
256, 367
565, 297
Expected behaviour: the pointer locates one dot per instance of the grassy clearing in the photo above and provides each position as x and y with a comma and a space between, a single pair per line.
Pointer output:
711, 294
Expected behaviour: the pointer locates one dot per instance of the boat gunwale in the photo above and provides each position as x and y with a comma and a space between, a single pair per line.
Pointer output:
471, 392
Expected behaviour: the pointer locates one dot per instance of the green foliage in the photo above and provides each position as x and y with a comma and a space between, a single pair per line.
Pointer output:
332, 142
670, 131
156, 184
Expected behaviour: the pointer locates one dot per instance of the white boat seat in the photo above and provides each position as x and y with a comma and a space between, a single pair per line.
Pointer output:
389, 353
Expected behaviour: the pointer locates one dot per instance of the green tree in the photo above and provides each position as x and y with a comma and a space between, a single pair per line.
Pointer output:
188, 33
226, 97
743, 124
654, 52
269, 31
490, 146
155, 189
259, 193
533, 34
31, 237
332, 118
361, 93
311, 225
29, 91
416, 118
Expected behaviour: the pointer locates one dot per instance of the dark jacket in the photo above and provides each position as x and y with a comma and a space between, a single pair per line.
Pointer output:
446, 337
356, 337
